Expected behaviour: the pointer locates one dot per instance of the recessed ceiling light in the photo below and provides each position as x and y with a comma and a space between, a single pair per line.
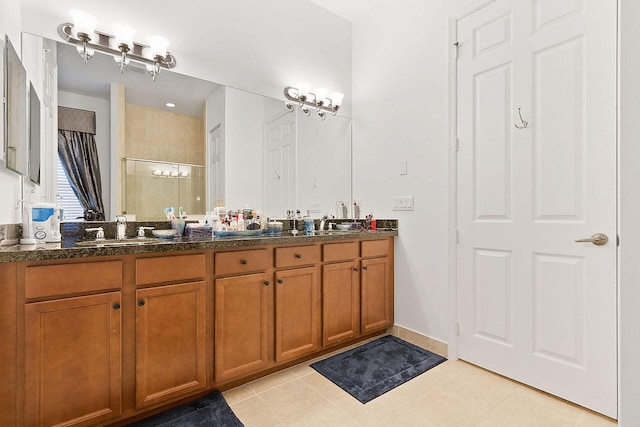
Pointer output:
170, 104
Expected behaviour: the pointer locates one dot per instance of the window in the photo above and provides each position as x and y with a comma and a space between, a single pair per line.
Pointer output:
67, 200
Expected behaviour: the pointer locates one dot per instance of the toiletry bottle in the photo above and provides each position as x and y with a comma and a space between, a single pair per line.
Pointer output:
240, 222
233, 225
344, 211
356, 210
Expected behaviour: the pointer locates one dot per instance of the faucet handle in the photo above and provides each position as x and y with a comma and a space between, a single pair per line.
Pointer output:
99, 234
141, 231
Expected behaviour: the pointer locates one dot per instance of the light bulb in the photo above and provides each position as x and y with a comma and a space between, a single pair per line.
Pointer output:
321, 95
336, 99
158, 46
124, 35
83, 22
303, 89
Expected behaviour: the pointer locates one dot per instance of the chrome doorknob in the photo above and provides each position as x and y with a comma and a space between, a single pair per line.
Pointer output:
598, 239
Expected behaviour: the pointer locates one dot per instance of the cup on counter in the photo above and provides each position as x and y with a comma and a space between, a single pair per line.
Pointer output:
178, 225
274, 228
309, 226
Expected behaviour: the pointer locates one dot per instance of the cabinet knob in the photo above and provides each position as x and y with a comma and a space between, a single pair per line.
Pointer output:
116, 306
280, 281
266, 283
141, 302
298, 256
364, 267
243, 261
356, 269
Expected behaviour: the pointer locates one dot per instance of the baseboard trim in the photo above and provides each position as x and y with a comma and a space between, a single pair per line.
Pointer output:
431, 344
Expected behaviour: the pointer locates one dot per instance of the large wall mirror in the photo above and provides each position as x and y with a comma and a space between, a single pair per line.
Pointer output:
16, 112
259, 154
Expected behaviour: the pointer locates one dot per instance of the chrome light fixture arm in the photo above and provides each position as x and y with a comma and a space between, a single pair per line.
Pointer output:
103, 44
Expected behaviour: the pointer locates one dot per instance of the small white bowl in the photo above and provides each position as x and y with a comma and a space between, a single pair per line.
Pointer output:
164, 234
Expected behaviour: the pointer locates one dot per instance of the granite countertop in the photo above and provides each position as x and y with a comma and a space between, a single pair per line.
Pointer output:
68, 248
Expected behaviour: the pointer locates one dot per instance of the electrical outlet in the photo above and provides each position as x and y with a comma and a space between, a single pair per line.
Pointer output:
403, 203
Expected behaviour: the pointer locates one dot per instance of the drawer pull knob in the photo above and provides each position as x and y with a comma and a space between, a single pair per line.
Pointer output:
364, 267
243, 261
356, 269
141, 302
266, 283
298, 256
280, 281
116, 306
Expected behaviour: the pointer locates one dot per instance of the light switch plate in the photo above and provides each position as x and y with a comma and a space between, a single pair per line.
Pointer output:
403, 203
403, 167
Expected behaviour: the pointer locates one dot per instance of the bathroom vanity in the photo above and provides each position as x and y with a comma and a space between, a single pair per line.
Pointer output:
100, 335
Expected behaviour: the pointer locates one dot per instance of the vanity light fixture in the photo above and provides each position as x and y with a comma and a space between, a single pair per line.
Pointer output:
121, 46
307, 100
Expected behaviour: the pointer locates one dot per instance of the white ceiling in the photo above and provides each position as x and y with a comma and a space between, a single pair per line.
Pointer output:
351, 10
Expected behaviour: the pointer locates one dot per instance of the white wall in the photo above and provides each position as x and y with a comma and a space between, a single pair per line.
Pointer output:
324, 156
629, 212
400, 96
103, 135
243, 136
9, 181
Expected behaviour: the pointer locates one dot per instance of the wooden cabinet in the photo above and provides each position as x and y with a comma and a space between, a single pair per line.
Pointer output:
103, 339
297, 309
340, 302
375, 294
241, 325
170, 342
73, 360
72, 344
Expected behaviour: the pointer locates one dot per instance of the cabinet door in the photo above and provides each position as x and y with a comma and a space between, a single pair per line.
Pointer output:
375, 294
297, 313
170, 342
73, 360
241, 328
340, 302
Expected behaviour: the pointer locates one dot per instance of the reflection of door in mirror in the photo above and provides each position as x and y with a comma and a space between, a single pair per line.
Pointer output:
16, 112
215, 167
280, 164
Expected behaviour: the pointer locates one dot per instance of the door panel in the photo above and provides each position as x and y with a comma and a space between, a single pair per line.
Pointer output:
533, 304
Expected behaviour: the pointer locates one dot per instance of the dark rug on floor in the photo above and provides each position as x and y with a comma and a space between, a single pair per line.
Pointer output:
373, 369
210, 410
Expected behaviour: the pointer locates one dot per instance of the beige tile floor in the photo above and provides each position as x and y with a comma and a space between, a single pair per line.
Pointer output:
451, 394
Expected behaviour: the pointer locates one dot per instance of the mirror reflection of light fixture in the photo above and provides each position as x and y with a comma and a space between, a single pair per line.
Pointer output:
83, 34
318, 99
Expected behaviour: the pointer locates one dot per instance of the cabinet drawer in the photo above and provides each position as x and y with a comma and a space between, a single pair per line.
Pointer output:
241, 261
61, 279
296, 256
373, 248
177, 268
339, 251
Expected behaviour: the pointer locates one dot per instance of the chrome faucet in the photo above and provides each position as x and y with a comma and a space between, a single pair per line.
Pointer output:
322, 221
121, 227
99, 234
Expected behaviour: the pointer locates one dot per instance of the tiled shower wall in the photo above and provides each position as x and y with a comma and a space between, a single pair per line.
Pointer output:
169, 137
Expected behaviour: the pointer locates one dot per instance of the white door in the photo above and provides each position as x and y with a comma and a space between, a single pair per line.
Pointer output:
280, 165
533, 304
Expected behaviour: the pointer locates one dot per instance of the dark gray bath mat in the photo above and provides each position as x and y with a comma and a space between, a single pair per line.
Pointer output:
373, 369
210, 410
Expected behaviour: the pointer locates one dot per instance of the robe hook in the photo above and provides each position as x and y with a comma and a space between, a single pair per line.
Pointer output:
523, 123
